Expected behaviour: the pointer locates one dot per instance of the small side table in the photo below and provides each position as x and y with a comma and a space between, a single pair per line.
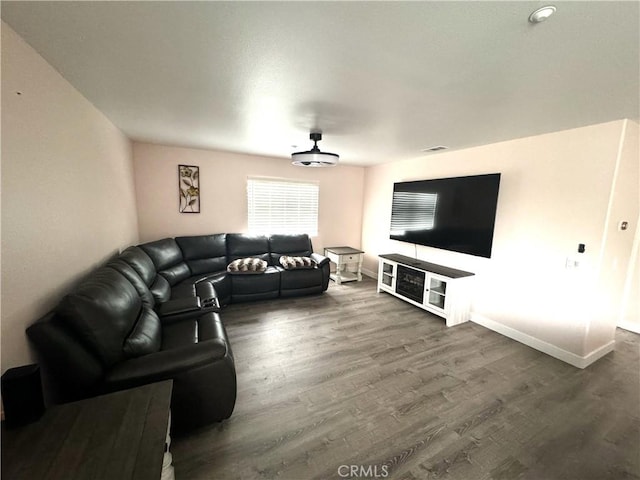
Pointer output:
345, 257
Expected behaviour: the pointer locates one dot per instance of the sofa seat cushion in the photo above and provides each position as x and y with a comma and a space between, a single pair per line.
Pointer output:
247, 266
269, 281
165, 364
187, 332
179, 334
300, 278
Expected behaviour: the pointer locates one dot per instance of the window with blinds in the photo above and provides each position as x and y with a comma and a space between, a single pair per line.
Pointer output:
413, 211
282, 206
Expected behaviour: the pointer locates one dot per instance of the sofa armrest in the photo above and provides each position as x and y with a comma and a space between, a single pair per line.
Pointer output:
178, 306
320, 260
188, 308
75, 370
164, 364
173, 311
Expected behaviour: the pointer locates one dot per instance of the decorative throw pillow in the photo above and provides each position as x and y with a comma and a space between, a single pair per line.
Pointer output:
247, 265
292, 263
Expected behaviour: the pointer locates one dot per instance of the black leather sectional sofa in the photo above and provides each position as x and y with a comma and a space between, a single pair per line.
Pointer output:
152, 313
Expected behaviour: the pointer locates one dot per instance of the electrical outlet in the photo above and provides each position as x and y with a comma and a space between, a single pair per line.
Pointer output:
572, 263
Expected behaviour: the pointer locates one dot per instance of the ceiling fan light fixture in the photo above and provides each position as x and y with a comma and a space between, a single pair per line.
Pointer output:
314, 157
435, 148
541, 14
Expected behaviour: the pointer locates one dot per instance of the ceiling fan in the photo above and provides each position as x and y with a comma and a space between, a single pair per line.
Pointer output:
314, 157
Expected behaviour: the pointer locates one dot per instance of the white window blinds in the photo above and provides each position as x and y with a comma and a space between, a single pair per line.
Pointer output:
282, 206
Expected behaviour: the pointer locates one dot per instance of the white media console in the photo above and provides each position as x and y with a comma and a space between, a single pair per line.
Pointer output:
440, 290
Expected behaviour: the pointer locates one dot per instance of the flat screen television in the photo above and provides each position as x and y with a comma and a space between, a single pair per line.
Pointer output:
456, 214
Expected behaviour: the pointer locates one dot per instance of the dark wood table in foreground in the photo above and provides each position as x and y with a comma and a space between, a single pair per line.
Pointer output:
116, 436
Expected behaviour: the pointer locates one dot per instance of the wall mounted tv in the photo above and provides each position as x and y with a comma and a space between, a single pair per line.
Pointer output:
456, 214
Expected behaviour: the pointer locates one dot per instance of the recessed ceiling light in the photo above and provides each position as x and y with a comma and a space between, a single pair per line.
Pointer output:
541, 14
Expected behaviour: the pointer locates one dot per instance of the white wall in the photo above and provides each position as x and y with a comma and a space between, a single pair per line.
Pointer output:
630, 315
617, 245
554, 194
223, 187
629, 182
68, 200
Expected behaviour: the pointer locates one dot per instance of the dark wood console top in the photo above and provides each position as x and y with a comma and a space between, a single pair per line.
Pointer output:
343, 250
429, 267
116, 436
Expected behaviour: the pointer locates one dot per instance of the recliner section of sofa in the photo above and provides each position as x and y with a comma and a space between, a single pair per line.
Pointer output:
152, 314
302, 281
103, 337
251, 287
196, 354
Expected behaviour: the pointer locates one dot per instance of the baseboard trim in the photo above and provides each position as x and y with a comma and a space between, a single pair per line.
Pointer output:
370, 273
632, 327
541, 345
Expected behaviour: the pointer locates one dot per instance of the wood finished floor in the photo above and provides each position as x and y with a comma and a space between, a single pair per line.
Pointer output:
353, 377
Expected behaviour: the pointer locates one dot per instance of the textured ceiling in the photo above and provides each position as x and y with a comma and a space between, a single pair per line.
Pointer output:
382, 80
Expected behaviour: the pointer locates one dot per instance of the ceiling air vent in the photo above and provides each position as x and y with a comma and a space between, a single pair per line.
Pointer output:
437, 148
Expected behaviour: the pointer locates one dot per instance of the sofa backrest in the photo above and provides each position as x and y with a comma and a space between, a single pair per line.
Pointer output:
139, 269
105, 312
141, 263
240, 245
132, 276
291, 245
167, 258
204, 253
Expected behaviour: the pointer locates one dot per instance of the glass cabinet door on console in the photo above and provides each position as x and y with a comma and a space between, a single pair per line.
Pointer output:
437, 292
387, 276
